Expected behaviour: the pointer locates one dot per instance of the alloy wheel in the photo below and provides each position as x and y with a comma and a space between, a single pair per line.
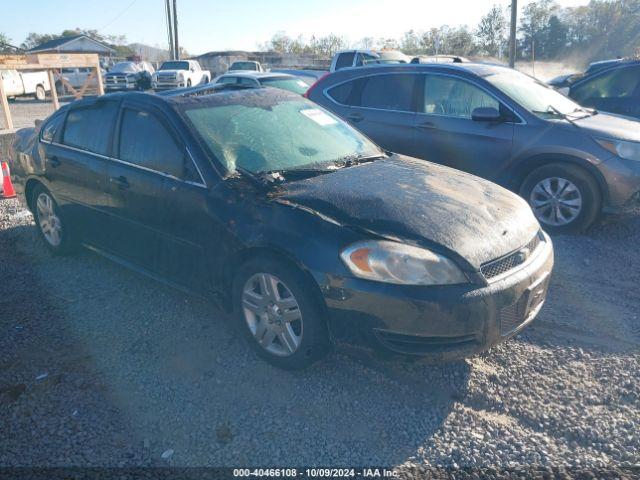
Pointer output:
556, 201
48, 220
272, 314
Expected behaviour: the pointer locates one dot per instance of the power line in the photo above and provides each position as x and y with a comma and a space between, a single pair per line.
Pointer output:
119, 15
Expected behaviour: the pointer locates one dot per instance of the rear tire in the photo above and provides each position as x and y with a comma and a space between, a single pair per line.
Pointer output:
40, 94
52, 226
565, 198
275, 309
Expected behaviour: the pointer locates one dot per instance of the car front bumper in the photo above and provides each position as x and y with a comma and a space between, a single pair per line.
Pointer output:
168, 85
113, 87
623, 182
440, 322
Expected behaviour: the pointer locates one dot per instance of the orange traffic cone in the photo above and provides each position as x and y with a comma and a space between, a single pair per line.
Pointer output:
7, 186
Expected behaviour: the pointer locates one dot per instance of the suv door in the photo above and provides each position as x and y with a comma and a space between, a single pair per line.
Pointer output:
382, 106
445, 132
76, 162
616, 91
157, 196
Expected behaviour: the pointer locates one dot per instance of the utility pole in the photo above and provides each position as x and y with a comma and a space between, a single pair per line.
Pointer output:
175, 30
170, 29
512, 33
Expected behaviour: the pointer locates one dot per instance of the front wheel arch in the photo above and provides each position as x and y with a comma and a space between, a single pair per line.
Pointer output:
586, 183
519, 174
237, 259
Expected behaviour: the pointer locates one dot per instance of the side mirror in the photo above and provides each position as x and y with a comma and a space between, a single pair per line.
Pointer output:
486, 114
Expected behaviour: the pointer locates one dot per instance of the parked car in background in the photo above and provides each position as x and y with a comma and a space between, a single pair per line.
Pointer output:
438, 59
179, 73
246, 65
614, 88
129, 76
18, 84
76, 77
307, 76
565, 80
256, 79
292, 219
359, 58
569, 162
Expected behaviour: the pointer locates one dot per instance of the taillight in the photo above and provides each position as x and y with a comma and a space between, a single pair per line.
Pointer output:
308, 92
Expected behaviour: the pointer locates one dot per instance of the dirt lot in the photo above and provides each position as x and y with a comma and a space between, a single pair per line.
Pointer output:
102, 367
25, 110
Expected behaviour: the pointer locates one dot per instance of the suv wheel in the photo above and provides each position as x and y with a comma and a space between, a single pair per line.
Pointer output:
276, 310
563, 197
53, 229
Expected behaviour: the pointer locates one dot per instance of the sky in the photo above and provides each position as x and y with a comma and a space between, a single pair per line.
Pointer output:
206, 25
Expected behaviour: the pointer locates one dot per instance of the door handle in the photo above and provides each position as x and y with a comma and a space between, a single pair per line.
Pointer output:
426, 126
54, 162
120, 181
355, 117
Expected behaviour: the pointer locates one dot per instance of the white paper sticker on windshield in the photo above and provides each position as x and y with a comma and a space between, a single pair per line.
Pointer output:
301, 83
318, 116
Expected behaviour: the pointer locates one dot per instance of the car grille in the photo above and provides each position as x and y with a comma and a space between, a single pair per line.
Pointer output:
116, 79
495, 268
417, 345
510, 319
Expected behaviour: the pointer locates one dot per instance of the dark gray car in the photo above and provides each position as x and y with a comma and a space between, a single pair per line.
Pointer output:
570, 163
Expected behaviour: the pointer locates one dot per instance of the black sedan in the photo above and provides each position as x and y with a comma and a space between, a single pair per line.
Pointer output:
290, 218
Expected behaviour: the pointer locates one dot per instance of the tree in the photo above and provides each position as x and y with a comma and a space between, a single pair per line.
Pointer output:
492, 32
410, 43
535, 19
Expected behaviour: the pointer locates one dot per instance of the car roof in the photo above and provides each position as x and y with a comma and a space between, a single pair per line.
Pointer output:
257, 75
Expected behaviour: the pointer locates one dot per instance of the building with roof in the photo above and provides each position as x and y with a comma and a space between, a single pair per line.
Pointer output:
73, 44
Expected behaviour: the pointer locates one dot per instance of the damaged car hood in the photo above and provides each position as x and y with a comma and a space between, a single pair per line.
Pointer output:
423, 203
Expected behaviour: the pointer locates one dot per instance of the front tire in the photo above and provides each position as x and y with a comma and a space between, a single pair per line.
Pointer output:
188, 82
51, 225
564, 197
276, 310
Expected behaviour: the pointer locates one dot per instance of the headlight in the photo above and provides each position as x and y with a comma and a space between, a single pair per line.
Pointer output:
628, 150
392, 262
180, 76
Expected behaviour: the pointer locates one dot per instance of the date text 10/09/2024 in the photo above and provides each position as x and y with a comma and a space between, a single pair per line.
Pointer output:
315, 472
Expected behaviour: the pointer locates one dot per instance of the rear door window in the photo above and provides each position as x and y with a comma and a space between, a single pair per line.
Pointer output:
454, 97
146, 142
345, 60
388, 92
228, 80
618, 83
89, 128
342, 93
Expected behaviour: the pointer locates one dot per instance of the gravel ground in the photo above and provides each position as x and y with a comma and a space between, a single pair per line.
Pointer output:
25, 110
102, 367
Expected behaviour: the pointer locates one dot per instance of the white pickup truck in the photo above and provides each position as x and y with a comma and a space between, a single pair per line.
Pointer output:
179, 73
17, 84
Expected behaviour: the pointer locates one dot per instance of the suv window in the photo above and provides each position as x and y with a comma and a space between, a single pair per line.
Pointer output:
342, 93
89, 128
618, 83
388, 92
227, 80
345, 60
364, 58
454, 97
146, 142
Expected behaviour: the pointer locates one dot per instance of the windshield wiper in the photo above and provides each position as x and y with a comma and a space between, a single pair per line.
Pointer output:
356, 159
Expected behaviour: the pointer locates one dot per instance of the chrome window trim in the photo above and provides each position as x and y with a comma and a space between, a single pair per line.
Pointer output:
325, 92
146, 169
